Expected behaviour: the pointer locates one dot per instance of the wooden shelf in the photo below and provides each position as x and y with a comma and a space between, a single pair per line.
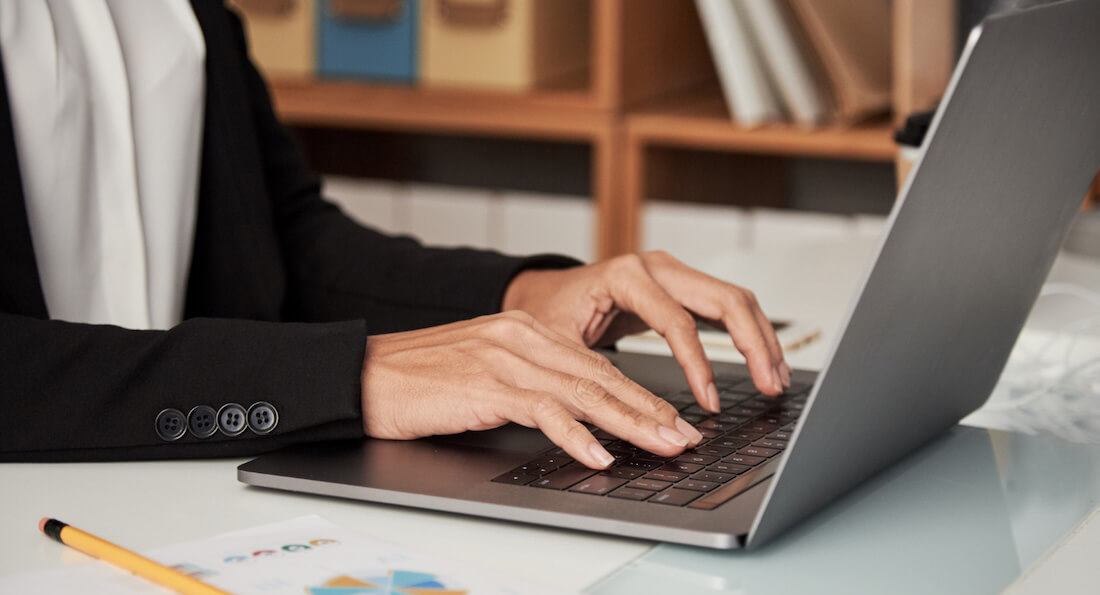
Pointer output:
552, 114
701, 120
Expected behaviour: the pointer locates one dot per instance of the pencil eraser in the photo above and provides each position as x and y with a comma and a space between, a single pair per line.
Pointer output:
42, 524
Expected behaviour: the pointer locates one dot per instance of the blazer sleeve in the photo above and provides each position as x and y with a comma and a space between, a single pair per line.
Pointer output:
78, 392
338, 269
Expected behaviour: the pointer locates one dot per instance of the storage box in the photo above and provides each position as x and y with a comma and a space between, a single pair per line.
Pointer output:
371, 39
504, 44
281, 34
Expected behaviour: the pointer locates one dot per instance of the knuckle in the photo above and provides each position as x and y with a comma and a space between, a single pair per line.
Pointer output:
544, 409
519, 316
588, 394
606, 372
575, 432
662, 409
682, 323
629, 263
739, 298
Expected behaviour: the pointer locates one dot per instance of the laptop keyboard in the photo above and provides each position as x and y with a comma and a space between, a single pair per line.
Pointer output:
739, 448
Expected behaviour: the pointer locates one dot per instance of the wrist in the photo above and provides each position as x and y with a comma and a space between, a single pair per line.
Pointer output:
519, 290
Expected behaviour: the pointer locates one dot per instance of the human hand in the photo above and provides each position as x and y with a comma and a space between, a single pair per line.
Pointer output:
603, 302
483, 373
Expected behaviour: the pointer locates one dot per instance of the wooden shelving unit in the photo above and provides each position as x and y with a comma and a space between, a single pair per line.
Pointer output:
649, 86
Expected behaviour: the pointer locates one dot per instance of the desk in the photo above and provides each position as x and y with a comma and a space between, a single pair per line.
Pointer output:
147, 504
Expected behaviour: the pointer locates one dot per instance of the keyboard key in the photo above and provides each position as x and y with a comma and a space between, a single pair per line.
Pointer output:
760, 426
598, 485
780, 435
757, 451
709, 433
696, 486
725, 381
711, 450
712, 477
729, 468
629, 493
665, 475
519, 479
730, 418
728, 400
694, 410
740, 459
798, 387
692, 418
624, 446
727, 442
652, 485
624, 472
544, 465
675, 497
698, 459
714, 424
684, 397
774, 444
564, 477
642, 464
681, 467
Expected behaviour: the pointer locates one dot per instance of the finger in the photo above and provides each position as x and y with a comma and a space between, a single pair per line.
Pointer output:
736, 307
748, 338
774, 348
637, 291
545, 413
585, 363
587, 400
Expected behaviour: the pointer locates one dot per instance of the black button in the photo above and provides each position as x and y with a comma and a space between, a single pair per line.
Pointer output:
202, 421
232, 419
262, 417
170, 424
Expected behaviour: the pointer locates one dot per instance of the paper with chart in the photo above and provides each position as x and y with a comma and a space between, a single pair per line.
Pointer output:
308, 555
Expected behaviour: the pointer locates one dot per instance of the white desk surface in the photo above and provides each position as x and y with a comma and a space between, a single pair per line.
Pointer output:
147, 504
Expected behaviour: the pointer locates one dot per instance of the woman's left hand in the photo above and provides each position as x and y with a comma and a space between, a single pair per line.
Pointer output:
600, 303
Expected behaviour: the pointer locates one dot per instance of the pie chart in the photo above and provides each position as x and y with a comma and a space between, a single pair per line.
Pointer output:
395, 582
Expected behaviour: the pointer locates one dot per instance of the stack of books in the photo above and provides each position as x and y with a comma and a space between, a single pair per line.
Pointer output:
807, 62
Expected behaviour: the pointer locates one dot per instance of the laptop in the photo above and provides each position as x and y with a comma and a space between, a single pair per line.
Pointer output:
968, 246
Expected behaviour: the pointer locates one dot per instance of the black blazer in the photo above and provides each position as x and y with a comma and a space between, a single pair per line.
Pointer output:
282, 291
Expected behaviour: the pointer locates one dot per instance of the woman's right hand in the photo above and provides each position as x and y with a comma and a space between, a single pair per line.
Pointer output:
483, 373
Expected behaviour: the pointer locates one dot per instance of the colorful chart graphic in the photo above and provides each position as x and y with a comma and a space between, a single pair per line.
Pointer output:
396, 582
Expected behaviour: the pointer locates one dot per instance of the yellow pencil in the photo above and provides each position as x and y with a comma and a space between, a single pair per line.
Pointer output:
125, 559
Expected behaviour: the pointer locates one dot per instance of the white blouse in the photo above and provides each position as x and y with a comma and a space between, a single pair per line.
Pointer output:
107, 100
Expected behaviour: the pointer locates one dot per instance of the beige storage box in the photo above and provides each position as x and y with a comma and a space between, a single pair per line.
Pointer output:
504, 44
281, 34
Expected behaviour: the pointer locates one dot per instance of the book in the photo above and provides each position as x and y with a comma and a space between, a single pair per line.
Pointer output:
792, 73
852, 43
745, 85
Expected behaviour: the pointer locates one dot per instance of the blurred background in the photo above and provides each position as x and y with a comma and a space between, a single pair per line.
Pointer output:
708, 128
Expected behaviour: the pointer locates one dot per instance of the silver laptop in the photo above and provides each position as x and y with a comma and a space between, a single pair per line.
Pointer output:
971, 239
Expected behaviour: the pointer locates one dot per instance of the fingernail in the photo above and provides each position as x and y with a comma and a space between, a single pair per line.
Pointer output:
785, 372
712, 397
693, 435
601, 455
672, 436
777, 384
